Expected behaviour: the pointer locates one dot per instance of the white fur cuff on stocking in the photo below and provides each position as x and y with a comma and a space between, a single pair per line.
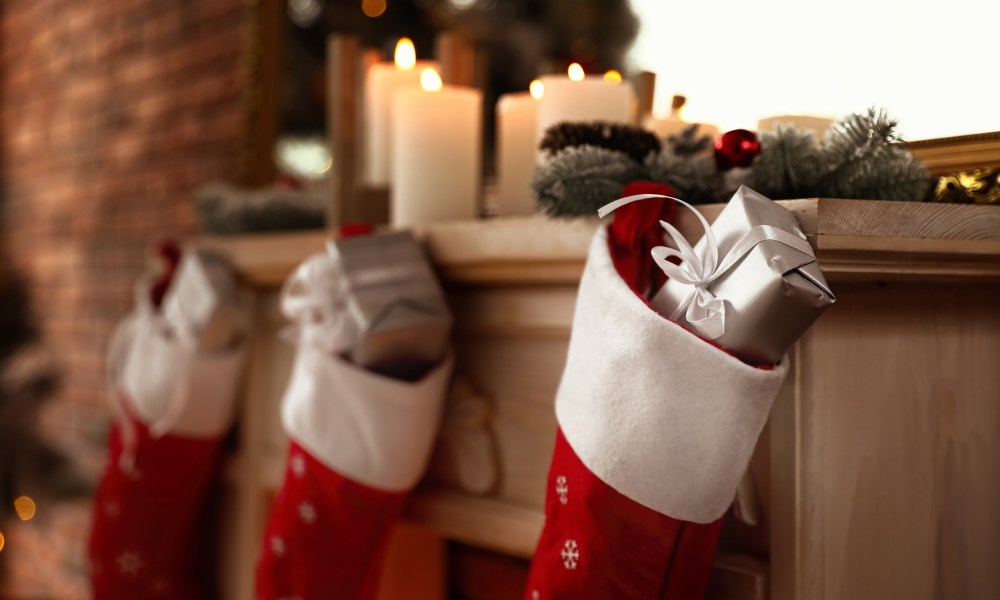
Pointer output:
370, 428
157, 367
656, 413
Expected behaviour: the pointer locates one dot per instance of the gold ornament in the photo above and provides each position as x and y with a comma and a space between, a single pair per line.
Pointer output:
979, 186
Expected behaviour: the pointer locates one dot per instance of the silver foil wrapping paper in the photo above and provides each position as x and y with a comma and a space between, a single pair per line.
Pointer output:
772, 293
395, 301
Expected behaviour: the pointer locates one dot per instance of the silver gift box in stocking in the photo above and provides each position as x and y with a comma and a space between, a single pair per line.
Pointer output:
202, 303
764, 289
395, 301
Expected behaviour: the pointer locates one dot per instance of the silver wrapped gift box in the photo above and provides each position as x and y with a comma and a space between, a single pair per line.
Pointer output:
395, 301
202, 303
766, 290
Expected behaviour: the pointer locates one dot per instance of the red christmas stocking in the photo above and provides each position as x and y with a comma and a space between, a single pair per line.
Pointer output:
656, 428
359, 442
174, 404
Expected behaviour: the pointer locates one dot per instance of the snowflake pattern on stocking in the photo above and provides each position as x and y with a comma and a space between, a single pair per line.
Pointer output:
298, 465
161, 587
129, 563
278, 546
307, 513
562, 489
570, 554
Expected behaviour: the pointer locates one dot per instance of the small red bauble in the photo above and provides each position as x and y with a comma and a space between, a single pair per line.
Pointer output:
736, 148
355, 229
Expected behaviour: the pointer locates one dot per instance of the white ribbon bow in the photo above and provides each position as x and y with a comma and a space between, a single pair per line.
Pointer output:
705, 312
313, 298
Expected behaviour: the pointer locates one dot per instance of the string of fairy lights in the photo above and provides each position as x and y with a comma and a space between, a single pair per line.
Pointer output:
25, 509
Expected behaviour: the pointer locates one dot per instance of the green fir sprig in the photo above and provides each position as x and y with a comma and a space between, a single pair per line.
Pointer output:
580, 179
862, 157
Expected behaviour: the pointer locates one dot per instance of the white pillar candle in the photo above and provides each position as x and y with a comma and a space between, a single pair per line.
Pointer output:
517, 115
816, 125
436, 153
382, 81
579, 98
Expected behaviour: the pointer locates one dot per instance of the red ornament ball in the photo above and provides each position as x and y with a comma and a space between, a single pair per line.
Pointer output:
355, 229
736, 148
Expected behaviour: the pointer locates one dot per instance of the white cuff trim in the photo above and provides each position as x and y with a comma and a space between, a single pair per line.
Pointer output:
370, 428
157, 363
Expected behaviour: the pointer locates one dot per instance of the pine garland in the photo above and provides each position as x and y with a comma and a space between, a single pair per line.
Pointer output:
789, 165
862, 157
692, 178
580, 179
688, 142
633, 141
226, 210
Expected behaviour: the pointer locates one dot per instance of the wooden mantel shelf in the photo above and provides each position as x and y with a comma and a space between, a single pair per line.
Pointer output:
854, 240
862, 437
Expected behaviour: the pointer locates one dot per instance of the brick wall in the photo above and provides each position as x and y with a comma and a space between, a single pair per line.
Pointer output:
111, 113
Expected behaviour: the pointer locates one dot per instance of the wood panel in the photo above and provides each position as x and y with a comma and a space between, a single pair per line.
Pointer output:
511, 344
738, 577
262, 58
958, 153
482, 575
922, 220
894, 486
415, 565
854, 239
249, 506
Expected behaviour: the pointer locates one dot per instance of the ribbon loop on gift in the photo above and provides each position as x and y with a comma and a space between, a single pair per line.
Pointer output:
705, 312
313, 299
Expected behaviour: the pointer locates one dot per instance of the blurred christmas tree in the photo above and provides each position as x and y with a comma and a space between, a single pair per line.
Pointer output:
29, 464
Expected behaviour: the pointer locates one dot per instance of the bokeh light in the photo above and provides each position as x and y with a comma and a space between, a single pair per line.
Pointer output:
575, 72
304, 12
430, 80
373, 8
461, 5
537, 89
613, 76
25, 508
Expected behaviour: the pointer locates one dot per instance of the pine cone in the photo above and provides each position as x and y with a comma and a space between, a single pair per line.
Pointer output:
635, 142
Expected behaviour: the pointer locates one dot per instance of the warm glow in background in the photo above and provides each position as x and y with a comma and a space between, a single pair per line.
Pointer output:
930, 63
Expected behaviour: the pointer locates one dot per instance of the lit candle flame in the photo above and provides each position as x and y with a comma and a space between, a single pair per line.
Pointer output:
406, 54
575, 72
430, 80
613, 76
537, 89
